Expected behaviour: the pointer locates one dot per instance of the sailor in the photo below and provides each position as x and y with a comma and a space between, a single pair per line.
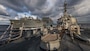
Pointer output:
45, 31
50, 29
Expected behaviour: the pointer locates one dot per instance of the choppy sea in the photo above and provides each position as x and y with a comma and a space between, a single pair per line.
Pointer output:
3, 28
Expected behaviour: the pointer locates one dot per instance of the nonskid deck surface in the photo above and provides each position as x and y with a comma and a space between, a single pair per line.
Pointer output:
50, 37
33, 45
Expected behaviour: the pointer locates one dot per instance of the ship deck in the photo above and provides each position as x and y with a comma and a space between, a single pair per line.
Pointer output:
33, 44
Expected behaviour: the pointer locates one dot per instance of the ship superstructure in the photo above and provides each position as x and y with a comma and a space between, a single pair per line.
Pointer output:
26, 27
66, 24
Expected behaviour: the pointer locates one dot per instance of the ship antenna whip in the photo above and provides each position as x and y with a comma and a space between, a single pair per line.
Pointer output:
65, 8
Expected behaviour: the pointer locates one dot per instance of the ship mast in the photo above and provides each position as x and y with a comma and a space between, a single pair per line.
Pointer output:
65, 8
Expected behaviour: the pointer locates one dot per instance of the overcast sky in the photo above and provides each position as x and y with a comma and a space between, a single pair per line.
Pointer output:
52, 8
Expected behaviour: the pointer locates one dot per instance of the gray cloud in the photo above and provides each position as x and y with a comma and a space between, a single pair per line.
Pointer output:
16, 5
37, 7
45, 7
3, 10
73, 2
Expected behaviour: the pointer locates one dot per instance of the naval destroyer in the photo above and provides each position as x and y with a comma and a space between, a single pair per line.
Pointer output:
51, 36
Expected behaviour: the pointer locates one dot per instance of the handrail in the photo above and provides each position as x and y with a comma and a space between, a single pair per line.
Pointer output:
5, 32
20, 33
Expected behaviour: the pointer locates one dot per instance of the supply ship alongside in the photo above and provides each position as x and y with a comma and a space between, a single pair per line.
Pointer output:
51, 36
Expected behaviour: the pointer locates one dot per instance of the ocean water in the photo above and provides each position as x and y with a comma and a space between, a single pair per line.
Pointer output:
3, 28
